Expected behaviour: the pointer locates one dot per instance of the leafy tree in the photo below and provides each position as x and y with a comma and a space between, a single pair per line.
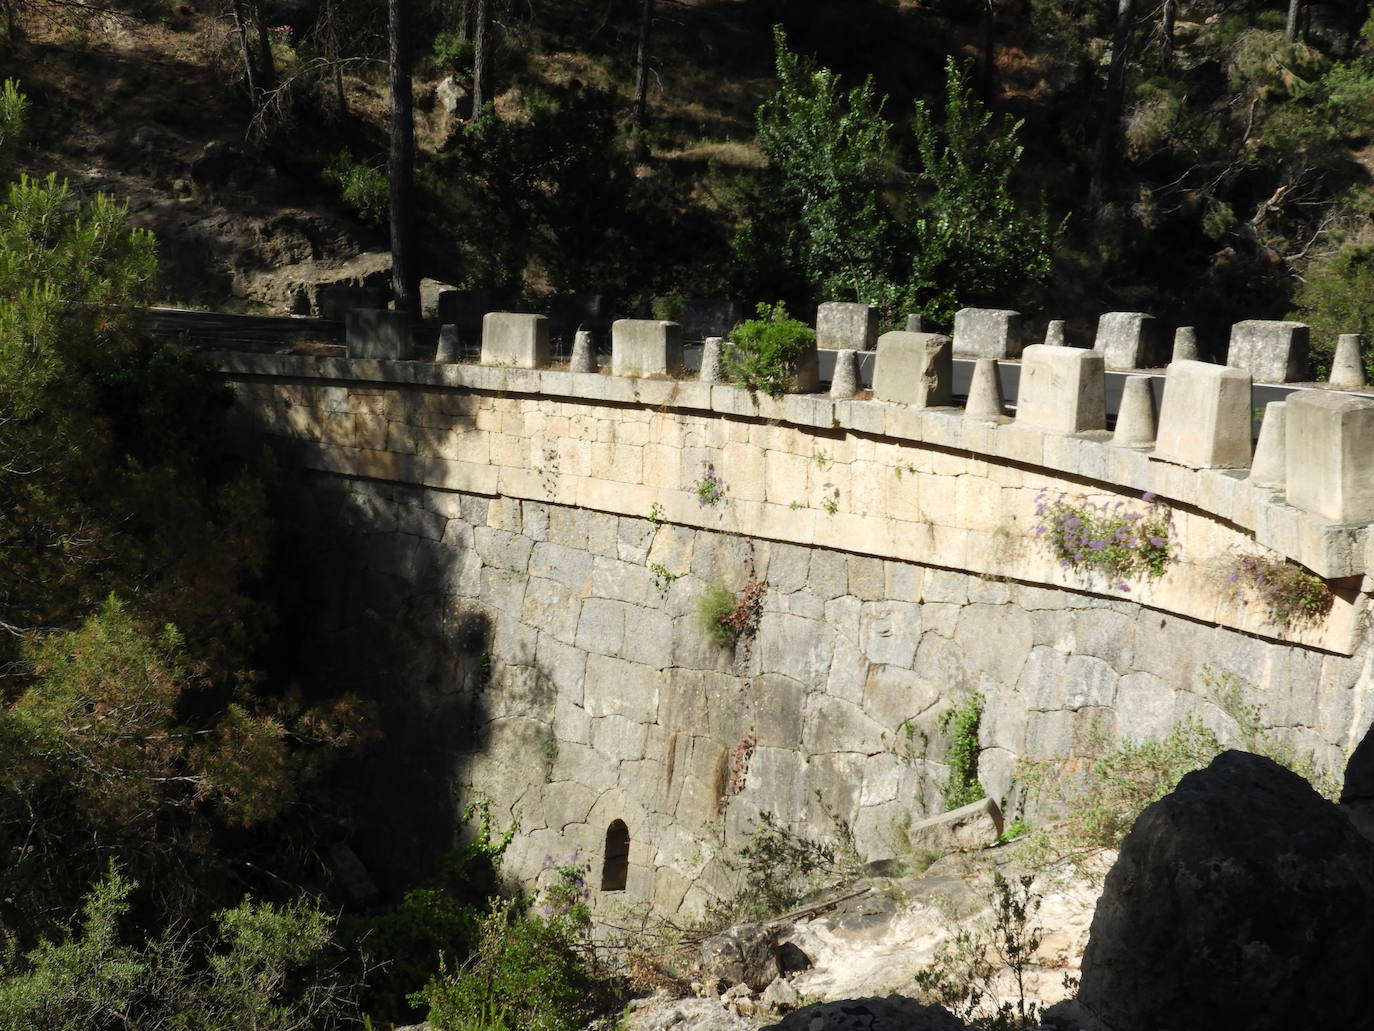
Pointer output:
132, 614
963, 238
974, 243
830, 147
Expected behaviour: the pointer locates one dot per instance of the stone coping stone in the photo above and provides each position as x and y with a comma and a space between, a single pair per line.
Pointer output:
1063, 389
1128, 340
987, 333
646, 347
1271, 352
1329, 447
515, 339
377, 333
914, 369
1205, 420
845, 325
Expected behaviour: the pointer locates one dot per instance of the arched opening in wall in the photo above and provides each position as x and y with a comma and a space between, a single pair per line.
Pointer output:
617, 854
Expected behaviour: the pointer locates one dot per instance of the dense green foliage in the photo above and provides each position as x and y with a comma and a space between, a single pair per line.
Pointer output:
532, 968
961, 756
955, 237
263, 966
765, 353
134, 723
974, 243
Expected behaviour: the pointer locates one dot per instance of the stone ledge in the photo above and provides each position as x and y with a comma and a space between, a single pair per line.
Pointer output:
1333, 551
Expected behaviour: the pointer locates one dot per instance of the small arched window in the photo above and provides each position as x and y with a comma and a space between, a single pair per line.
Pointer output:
617, 862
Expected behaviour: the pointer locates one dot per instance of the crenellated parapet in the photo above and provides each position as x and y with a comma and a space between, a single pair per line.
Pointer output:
900, 475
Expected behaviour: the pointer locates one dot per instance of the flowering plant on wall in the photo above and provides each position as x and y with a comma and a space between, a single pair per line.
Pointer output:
1110, 538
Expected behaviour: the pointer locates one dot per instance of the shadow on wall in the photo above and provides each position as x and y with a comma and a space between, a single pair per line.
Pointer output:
373, 615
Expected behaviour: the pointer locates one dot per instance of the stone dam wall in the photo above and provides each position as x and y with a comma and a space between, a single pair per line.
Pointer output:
510, 561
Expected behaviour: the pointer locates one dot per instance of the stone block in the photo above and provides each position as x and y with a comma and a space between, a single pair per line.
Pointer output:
377, 333
1330, 455
1271, 352
914, 369
515, 339
968, 828
646, 347
1063, 389
987, 333
842, 325
1205, 419
1128, 340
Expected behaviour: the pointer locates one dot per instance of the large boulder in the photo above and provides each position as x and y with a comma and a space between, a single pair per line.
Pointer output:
894, 1013
1357, 793
1242, 899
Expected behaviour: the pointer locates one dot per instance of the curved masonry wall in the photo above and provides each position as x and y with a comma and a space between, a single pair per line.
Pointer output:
518, 555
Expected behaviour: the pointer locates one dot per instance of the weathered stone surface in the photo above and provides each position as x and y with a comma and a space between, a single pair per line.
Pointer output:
1185, 345
842, 325
1135, 421
1205, 418
1127, 340
583, 353
642, 347
894, 1013
1347, 366
515, 339
987, 333
1271, 352
743, 954
1329, 448
844, 382
712, 360
377, 333
1062, 390
1270, 465
914, 369
985, 392
970, 827
1242, 899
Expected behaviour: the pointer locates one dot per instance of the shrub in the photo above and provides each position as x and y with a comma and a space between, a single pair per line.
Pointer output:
962, 976
776, 869
362, 187
730, 619
1291, 595
766, 352
1107, 538
962, 722
531, 971
1338, 297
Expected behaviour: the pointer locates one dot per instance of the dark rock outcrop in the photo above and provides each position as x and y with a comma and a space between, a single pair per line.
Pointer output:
1242, 899
1357, 793
894, 1013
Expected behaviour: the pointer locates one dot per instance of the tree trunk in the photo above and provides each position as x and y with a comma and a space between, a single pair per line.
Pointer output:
987, 56
465, 20
481, 57
267, 70
1111, 103
1166, 29
1291, 29
404, 280
241, 30
646, 19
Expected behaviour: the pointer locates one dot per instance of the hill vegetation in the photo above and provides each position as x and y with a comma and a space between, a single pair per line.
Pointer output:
163, 788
